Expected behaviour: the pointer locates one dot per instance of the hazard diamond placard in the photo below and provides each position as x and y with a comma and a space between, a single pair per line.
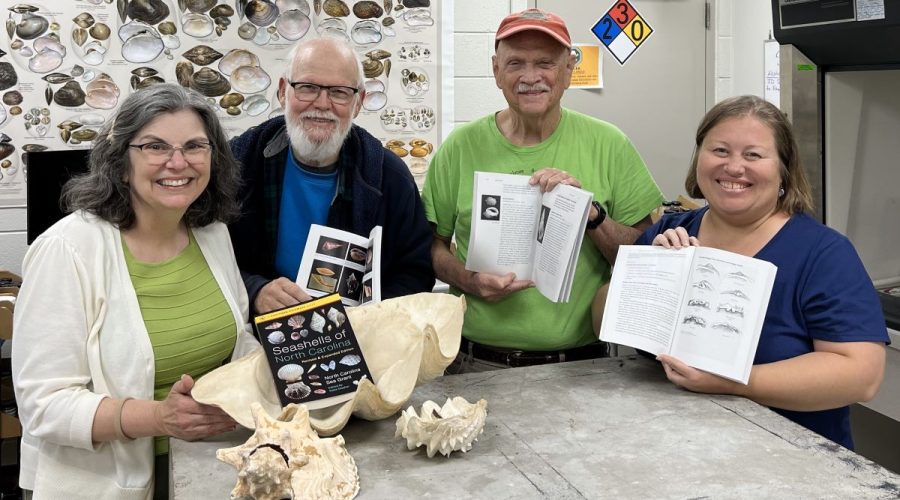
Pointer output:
622, 30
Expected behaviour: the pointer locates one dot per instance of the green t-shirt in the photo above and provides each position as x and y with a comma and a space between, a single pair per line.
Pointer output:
190, 324
596, 153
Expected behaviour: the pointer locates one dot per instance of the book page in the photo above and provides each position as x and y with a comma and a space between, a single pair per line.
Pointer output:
335, 261
723, 311
558, 237
642, 307
371, 289
505, 210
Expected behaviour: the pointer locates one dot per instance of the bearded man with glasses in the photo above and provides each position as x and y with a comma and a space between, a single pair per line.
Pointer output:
313, 166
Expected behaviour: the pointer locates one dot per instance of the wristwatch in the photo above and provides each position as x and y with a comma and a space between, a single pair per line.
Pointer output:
601, 216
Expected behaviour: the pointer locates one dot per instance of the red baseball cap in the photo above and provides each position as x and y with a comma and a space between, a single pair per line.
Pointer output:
534, 19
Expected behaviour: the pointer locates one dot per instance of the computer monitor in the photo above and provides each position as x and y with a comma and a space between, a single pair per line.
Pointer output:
48, 171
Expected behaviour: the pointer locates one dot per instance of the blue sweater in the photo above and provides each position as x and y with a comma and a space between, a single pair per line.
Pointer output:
374, 188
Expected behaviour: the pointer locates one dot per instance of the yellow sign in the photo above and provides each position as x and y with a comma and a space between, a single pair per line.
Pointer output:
588, 67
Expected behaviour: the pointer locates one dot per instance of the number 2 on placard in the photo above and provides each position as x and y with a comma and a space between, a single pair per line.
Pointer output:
607, 22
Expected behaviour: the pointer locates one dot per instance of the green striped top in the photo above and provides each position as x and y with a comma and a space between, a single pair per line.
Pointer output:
190, 324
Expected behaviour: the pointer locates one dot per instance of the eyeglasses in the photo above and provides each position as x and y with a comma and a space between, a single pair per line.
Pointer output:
308, 92
163, 151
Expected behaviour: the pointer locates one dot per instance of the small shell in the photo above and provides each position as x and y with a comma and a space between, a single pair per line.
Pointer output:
336, 317
297, 390
350, 360
336, 8
317, 323
275, 337
290, 373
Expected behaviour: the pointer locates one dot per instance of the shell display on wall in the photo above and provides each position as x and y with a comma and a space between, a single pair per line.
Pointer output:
285, 458
406, 341
63, 60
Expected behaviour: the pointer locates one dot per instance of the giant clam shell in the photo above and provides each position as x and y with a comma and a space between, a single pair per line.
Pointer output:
142, 48
8, 76
31, 26
250, 79
149, 11
45, 61
336, 8
210, 82
261, 12
367, 9
366, 32
197, 25
235, 58
443, 429
202, 55
199, 6
69, 94
292, 24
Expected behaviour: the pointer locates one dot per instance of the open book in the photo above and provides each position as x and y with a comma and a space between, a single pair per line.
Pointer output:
516, 228
313, 353
342, 262
704, 306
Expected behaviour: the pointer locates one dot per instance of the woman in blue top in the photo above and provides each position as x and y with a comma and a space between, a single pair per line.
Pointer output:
822, 346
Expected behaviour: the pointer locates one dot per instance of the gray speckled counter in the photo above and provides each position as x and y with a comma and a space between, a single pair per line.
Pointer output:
613, 428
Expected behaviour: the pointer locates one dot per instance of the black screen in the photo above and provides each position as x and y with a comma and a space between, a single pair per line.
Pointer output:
47, 172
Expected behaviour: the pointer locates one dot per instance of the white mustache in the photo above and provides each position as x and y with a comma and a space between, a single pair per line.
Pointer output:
319, 114
537, 87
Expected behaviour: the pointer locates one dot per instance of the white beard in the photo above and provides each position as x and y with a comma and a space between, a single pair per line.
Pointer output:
309, 151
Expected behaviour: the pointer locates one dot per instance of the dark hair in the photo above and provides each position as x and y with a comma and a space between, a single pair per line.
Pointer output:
104, 190
797, 196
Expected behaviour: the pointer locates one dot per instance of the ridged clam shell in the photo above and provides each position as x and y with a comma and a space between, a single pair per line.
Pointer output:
210, 82
366, 32
261, 12
292, 24
336, 8
367, 9
301, 5
197, 25
100, 31
250, 79
199, 6
255, 105
45, 61
69, 94
31, 26
372, 68
149, 11
84, 20
235, 58
202, 55
142, 48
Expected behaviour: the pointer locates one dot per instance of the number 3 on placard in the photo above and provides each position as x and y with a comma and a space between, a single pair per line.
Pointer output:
623, 10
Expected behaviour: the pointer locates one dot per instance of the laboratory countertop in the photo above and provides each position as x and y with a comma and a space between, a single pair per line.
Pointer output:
609, 428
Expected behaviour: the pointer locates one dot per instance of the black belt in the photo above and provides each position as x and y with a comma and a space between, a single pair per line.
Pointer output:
517, 357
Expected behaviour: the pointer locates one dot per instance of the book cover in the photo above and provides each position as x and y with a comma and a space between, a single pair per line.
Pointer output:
313, 353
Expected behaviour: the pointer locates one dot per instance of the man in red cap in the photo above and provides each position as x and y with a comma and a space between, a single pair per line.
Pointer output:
508, 322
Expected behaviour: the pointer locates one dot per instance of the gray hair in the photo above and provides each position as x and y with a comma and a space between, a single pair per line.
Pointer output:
104, 190
341, 44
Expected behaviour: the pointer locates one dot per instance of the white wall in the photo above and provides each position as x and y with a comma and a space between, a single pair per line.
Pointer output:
739, 28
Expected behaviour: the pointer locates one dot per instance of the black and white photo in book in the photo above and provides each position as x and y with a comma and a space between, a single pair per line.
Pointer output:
491, 204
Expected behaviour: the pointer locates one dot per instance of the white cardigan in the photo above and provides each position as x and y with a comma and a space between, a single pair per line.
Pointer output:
79, 337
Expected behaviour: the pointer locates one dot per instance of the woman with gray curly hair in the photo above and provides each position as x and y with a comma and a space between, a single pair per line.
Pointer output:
127, 300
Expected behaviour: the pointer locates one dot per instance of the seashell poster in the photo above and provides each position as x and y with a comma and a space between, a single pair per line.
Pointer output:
65, 65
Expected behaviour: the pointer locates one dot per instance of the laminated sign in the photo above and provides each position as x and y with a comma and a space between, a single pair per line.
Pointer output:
313, 353
622, 30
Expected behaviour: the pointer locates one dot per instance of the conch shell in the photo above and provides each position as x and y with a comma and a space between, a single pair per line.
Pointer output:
443, 429
285, 458
406, 341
